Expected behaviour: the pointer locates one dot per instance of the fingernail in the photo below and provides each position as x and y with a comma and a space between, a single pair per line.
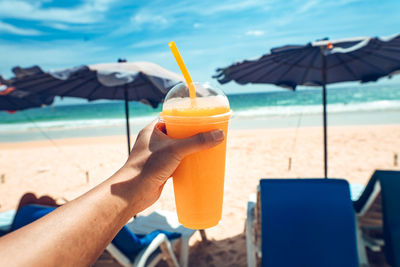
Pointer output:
218, 135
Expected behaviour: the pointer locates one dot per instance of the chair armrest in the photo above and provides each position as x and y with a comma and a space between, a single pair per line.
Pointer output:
251, 246
141, 258
118, 255
251, 204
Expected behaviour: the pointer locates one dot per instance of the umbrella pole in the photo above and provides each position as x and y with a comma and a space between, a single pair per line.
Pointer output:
127, 118
324, 114
325, 134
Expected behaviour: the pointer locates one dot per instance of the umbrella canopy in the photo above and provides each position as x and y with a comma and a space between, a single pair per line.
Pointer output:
13, 100
320, 63
146, 82
360, 59
139, 81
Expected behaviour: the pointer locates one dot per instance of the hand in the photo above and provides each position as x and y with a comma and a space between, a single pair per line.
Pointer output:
155, 156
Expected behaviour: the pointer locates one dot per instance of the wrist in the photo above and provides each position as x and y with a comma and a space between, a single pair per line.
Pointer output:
135, 187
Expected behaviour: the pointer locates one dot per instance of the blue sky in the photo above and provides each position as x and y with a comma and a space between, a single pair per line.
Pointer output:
209, 34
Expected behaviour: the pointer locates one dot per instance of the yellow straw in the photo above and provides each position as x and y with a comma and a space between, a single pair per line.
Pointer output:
179, 60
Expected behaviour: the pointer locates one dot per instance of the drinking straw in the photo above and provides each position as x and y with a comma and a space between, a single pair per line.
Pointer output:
185, 73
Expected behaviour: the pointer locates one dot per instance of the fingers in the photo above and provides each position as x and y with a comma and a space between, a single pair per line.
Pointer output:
161, 126
198, 142
151, 125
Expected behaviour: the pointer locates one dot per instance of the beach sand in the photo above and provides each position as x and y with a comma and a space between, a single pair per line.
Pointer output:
66, 168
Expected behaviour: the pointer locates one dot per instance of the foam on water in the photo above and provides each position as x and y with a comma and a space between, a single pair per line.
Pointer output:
316, 109
72, 124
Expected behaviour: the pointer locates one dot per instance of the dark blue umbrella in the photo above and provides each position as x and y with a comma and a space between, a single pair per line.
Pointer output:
12, 100
130, 81
318, 64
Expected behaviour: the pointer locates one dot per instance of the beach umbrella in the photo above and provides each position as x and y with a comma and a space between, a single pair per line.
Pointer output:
129, 81
320, 63
12, 100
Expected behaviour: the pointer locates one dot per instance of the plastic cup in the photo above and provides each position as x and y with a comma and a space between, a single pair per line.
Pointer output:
199, 179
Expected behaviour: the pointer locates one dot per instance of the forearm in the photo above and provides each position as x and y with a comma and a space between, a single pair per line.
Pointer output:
81, 229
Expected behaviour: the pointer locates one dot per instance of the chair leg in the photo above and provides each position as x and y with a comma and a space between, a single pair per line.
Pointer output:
169, 255
250, 250
203, 235
362, 255
184, 253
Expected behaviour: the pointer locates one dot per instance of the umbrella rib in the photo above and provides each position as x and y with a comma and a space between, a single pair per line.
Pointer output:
347, 67
281, 62
387, 58
147, 81
76, 87
33, 81
364, 61
257, 64
58, 83
256, 68
308, 69
89, 96
115, 92
292, 66
156, 90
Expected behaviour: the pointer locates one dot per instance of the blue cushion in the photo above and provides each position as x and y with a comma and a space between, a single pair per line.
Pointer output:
126, 241
28, 214
307, 222
131, 244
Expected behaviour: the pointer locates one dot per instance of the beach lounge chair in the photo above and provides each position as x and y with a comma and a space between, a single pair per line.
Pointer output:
302, 222
127, 248
7, 218
390, 184
378, 214
167, 221
368, 209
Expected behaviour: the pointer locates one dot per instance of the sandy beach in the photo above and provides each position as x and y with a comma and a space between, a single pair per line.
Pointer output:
66, 168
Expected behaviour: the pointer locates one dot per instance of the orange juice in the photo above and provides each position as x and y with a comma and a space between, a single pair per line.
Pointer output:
199, 179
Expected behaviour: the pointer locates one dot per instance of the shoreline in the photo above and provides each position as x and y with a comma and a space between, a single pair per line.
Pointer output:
110, 139
387, 117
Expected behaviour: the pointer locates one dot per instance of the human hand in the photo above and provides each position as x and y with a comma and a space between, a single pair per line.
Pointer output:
155, 156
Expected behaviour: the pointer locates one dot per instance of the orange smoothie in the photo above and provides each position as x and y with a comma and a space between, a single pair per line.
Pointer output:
199, 179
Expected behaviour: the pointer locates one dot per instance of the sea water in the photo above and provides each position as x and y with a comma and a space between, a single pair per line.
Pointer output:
359, 104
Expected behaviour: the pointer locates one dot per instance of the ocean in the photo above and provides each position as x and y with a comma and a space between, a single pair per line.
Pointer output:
366, 104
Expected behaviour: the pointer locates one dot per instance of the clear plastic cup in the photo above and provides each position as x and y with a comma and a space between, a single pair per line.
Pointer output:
199, 179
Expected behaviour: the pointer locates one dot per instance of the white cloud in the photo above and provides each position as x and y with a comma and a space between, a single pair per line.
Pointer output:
307, 6
174, 11
197, 25
57, 25
255, 33
89, 11
230, 6
143, 18
8, 28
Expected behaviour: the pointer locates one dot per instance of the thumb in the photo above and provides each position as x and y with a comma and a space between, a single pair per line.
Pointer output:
200, 141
